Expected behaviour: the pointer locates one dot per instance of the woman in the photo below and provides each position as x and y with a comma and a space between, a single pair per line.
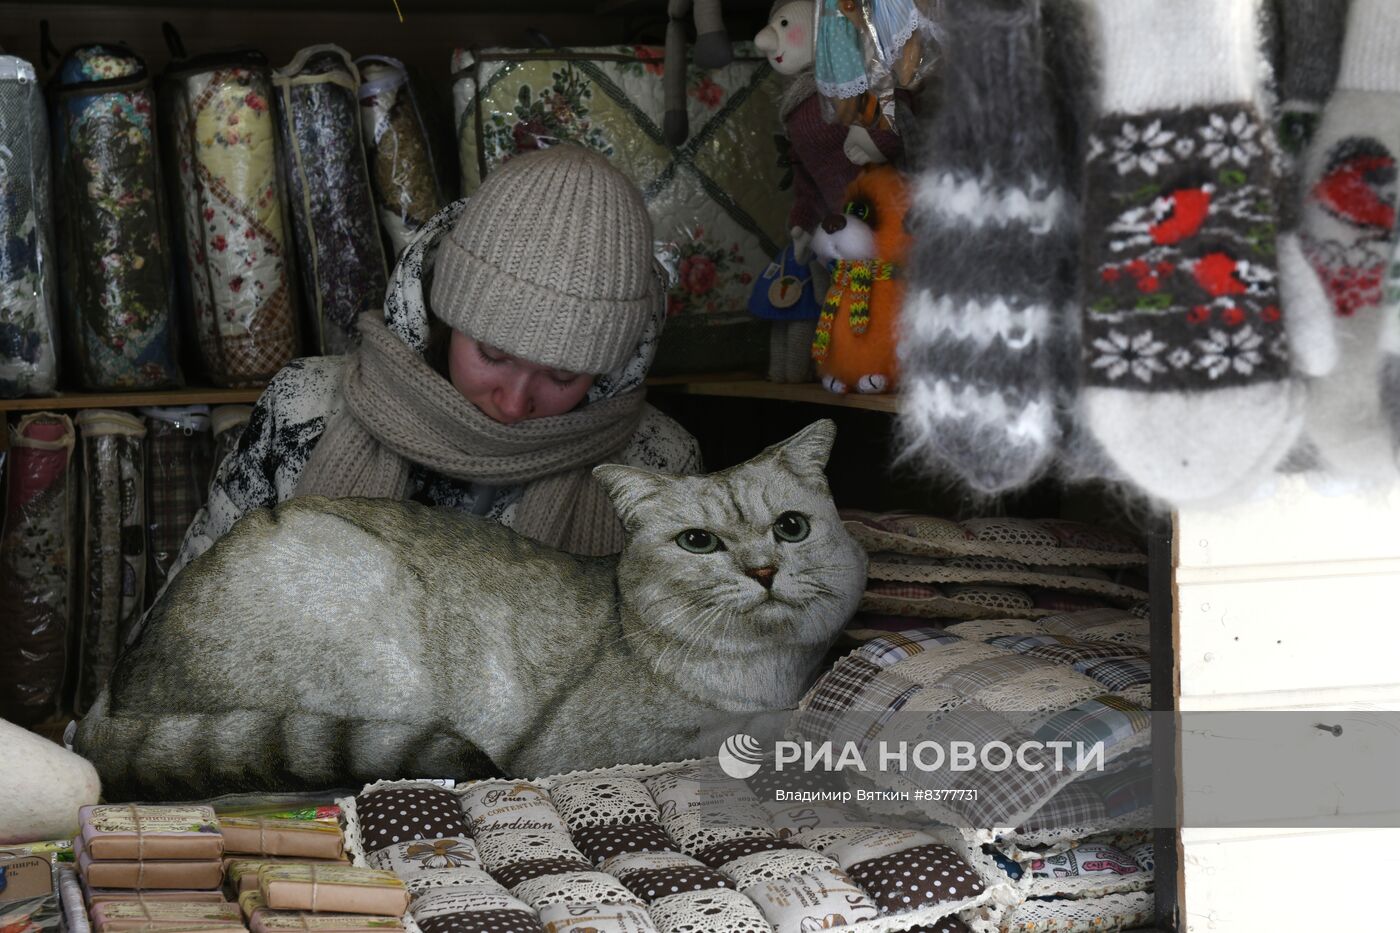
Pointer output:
498, 397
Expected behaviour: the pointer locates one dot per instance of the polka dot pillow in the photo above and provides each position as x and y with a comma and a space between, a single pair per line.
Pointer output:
406, 814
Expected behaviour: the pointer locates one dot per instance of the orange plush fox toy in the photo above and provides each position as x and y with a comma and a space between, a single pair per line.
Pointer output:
855, 343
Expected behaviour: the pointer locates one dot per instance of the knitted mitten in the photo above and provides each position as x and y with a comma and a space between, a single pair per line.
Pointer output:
1186, 377
1347, 232
1312, 33
1390, 354
994, 230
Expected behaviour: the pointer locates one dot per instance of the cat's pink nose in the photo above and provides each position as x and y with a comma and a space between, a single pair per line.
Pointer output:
763, 575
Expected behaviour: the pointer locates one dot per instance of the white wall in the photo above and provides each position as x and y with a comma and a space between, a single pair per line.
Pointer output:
1290, 602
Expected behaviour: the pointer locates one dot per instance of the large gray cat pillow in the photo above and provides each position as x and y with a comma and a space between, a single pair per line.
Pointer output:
331, 642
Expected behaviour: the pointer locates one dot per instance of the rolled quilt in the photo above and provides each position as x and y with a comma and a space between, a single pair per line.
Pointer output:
236, 267
28, 298
114, 544
178, 450
36, 567
116, 279
407, 191
336, 228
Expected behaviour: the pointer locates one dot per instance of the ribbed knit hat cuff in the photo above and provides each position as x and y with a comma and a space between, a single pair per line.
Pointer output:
541, 325
1371, 54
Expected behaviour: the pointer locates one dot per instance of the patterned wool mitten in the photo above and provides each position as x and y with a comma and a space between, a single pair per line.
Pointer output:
994, 227
1311, 32
1390, 352
1347, 231
1186, 379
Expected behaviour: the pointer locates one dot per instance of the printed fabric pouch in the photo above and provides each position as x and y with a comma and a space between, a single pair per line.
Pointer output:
28, 288
114, 543
235, 267
408, 188
178, 450
339, 250
717, 195
117, 281
37, 566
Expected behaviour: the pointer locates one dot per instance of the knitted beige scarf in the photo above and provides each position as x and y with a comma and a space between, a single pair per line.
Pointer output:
398, 411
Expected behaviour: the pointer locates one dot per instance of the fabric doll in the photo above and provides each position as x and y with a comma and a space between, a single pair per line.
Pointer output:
712, 50
856, 338
826, 158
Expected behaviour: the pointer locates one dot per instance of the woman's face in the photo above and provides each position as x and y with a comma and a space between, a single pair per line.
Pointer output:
508, 389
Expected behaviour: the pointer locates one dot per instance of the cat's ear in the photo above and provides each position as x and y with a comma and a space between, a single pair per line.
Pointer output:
629, 487
807, 451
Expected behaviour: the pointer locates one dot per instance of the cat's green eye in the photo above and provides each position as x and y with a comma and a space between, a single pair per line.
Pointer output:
791, 526
699, 541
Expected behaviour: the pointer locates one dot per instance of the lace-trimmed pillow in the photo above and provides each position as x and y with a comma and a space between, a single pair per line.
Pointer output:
391, 815
578, 887
925, 600
1053, 542
708, 912
602, 918
757, 867
824, 899
500, 847
915, 878
604, 802
409, 859
484, 921
599, 843
909, 568
509, 805
464, 900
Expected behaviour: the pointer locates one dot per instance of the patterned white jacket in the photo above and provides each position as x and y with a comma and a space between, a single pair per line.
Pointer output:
301, 399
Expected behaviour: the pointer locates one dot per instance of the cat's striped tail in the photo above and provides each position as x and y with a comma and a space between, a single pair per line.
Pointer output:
170, 756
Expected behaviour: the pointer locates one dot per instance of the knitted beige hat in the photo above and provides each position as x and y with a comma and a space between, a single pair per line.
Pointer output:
551, 261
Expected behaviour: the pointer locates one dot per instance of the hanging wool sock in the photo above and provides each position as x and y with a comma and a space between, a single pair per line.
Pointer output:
994, 227
1187, 383
1347, 233
1311, 33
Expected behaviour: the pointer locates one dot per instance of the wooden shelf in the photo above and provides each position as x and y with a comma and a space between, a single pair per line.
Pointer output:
71, 401
720, 385
808, 393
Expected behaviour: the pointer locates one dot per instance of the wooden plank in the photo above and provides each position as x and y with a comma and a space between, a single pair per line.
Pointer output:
1248, 882
808, 393
1294, 525
71, 401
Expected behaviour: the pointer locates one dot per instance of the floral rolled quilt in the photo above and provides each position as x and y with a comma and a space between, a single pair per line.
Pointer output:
339, 250
114, 543
407, 189
28, 288
116, 277
237, 271
37, 563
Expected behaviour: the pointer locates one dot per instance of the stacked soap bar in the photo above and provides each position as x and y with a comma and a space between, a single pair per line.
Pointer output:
325, 898
146, 848
277, 838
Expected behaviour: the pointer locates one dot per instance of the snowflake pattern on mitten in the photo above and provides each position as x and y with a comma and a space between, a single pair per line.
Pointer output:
1179, 253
